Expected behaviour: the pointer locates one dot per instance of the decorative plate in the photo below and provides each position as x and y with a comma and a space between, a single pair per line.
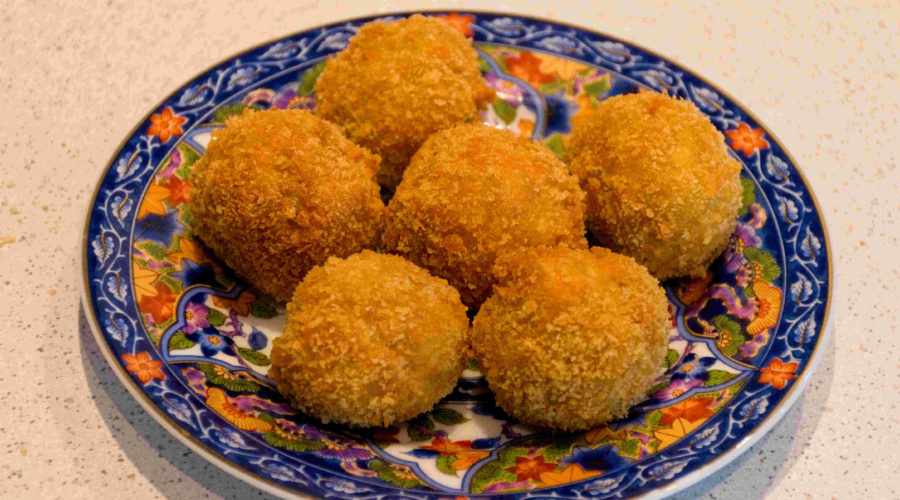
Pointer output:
192, 343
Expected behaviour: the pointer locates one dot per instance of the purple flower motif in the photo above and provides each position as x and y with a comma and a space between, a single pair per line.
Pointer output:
505, 89
345, 454
174, 162
693, 367
506, 486
195, 317
676, 388
284, 97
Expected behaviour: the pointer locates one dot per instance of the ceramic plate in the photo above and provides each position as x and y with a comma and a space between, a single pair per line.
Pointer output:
192, 343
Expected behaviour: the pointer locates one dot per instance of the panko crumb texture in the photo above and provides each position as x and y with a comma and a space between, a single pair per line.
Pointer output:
571, 339
280, 191
661, 186
370, 340
397, 83
472, 193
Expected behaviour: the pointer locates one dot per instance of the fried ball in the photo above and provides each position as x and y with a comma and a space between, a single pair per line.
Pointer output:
660, 184
571, 339
397, 83
474, 192
278, 192
370, 340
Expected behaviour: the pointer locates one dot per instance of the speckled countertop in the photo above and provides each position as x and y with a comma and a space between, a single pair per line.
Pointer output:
76, 77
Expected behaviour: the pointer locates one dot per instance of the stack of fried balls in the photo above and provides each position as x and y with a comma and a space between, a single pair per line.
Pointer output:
568, 337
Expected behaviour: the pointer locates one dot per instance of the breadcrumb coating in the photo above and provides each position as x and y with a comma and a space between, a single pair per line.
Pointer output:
660, 184
571, 339
280, 191
472, 193
397, 83
370, 340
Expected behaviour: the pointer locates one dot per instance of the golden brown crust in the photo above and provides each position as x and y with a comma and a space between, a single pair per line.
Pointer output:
571, 339
280, 191
474, 192
660, 184
370, 340
399, 82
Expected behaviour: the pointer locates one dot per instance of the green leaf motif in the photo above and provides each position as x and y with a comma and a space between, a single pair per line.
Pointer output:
671, 358
732, 338
263, 310
216, 317
309, 78
595, 89
152, 249
769, 269
236, 385
179, 342
483, 66
255, 357
555, 144
506, 112
443, 464
552, 87
413, 428
493, 472
629, 448
653, 419
716, 377
448, 416
748, 197
298, 445
386, 473
173, 284
226, 111
561, 447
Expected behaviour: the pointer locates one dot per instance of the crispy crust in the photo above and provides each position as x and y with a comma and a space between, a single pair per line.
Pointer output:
370, 340
660, 184
472, 193
571, 339
399, 82
278, 192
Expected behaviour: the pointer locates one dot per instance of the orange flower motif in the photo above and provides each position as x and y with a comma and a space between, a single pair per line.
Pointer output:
143, 281
179, 191
526, 128
218, 401
568, 475
747, 140
187, 249
241, 305
530, 468
691, 409
444, 446
143, 367
465, 460
600, 433
153, 201
527, 66
768, 299
680, 428
165, 125
778, 373
463, 24
159, 306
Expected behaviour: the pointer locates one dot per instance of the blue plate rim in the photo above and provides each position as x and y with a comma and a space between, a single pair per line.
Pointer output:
771, 418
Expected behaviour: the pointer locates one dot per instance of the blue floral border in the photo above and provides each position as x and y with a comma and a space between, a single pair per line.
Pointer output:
111, 220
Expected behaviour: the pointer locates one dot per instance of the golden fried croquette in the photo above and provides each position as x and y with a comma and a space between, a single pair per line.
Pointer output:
660, 184
571, 339
397, 83
474, 192
278, 192
370, 340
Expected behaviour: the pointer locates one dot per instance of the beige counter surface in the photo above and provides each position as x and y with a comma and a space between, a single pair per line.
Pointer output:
75, 77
